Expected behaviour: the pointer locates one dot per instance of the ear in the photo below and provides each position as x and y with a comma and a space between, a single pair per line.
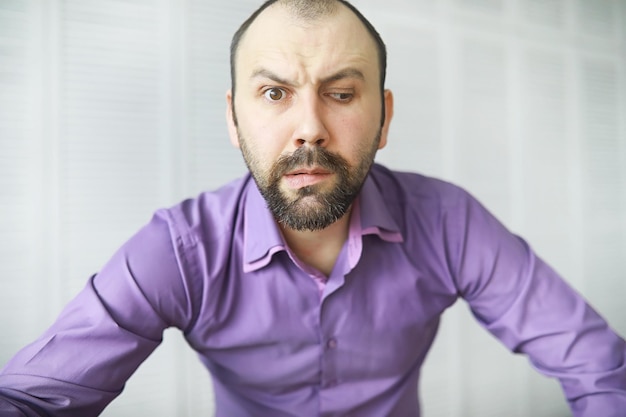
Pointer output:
388, 103
230, 120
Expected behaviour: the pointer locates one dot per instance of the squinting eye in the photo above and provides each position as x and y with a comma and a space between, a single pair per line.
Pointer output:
342, 96
274, 94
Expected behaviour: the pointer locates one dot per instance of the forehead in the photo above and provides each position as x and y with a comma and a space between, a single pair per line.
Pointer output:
325, 44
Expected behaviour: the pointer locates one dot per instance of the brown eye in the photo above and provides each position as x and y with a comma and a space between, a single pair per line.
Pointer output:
342, 97
274, 94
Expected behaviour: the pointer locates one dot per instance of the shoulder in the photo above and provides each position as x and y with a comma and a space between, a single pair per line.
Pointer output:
207, 216
414, 190
430, 211
177, 252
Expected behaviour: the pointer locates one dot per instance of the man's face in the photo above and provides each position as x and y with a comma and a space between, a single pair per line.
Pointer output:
308, 110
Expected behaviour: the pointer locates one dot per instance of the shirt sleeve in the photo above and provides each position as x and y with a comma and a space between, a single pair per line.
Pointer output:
532, 310
83, 360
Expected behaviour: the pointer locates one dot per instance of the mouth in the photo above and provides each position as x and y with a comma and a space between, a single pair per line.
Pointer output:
306, 176
308, 171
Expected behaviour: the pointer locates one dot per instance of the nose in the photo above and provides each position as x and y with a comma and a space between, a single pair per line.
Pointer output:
310, 126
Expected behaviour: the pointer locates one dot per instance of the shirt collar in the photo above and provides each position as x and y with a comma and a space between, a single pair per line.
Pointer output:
375, 215
262, 238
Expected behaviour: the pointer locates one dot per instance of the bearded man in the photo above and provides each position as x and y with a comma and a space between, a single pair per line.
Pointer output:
314, 286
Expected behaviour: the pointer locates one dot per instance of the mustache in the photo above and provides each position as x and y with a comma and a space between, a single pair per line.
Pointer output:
307, 156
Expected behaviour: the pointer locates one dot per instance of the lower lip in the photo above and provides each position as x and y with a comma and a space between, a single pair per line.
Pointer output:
304, 180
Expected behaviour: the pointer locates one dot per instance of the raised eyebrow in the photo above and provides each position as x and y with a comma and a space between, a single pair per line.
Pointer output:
343, 74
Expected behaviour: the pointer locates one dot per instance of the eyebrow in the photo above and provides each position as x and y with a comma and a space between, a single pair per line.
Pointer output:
343, 74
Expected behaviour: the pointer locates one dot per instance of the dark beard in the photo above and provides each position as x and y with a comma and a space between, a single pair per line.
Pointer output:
312, 208
322, 208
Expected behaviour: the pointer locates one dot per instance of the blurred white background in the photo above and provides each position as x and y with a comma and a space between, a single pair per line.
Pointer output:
110, 109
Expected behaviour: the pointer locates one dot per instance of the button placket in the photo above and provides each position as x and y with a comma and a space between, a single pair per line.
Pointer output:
329, 370
329, 343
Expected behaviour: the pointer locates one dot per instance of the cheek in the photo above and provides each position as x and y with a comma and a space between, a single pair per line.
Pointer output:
363, 119
267, 146
261, 148
354, 134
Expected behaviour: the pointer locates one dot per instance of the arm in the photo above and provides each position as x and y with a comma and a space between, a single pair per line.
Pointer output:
526, 305
82, 361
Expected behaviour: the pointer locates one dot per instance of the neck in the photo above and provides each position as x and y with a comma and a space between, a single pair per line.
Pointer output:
319, 248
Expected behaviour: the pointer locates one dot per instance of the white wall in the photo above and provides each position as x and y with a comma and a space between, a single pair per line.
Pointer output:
110, 109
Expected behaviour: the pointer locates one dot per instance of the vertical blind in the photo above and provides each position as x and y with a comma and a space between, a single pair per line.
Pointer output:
110, 109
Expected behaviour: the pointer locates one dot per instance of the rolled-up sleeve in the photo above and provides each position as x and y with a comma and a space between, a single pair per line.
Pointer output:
83, 360
532, 310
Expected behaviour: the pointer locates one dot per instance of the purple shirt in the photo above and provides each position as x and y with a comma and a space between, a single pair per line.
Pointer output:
282, 340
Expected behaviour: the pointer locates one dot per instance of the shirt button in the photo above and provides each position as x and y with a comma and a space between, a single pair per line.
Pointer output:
332, 343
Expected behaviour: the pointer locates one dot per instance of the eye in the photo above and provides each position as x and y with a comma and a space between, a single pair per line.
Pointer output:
274, 94
342, 97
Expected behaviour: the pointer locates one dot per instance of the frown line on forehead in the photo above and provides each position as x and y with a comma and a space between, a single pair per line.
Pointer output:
346, 73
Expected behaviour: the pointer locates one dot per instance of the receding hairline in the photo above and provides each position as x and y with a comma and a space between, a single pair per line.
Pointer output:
305, 11
309, 11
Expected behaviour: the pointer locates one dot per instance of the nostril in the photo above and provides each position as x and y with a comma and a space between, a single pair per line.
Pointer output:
319, 142
300, 142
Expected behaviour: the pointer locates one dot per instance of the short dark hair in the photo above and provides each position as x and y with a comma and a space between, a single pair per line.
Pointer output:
301, 7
